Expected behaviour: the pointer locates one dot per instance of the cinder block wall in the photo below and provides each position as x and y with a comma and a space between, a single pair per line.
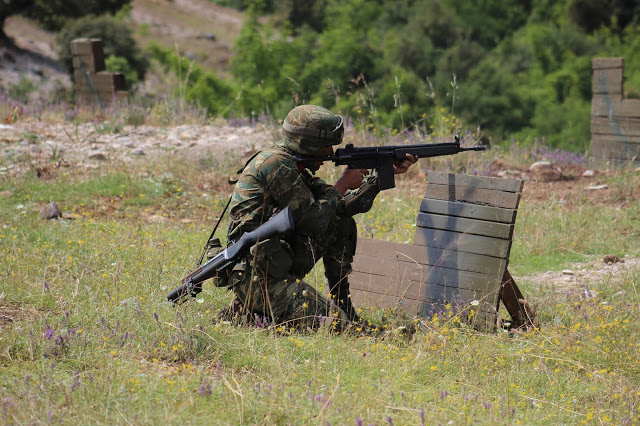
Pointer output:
93, 83
615, 121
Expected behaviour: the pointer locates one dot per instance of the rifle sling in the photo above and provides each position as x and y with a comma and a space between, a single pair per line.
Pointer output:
231, 182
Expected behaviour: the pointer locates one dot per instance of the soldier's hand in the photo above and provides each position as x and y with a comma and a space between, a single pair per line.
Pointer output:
400, 167
350, 179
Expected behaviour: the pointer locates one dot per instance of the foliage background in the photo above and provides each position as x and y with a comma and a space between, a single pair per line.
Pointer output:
512, 69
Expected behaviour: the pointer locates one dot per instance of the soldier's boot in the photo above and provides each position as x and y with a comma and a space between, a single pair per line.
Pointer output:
340, 295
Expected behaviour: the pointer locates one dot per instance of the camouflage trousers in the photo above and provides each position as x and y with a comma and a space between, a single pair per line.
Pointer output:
269, 282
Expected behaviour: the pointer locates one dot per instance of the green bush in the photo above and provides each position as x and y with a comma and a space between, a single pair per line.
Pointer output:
118, 64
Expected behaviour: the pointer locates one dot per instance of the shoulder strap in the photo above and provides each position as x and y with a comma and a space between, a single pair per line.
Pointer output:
233, 181
215, 228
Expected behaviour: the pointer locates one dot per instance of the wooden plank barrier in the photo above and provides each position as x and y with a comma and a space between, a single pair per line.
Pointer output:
93, 83
615, 121
459, 257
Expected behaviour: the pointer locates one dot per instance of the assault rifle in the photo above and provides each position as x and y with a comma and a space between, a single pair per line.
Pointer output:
192, 284
382, 158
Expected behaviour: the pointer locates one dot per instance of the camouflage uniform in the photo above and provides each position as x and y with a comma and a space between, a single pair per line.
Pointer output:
269, 280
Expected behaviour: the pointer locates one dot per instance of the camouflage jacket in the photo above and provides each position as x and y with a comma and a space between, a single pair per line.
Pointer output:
272, 181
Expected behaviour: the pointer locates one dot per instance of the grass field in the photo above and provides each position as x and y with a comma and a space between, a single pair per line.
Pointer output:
86, 336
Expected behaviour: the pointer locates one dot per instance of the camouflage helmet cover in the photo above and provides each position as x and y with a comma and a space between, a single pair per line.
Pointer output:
308, 128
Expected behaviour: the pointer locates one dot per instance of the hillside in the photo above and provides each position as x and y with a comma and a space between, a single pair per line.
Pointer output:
199, 29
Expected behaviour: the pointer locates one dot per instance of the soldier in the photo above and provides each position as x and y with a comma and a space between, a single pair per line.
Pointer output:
268, 281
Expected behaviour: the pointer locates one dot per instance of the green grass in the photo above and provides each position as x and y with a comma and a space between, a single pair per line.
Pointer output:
87, 336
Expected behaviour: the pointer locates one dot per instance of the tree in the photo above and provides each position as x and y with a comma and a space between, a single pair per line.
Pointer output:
54, 14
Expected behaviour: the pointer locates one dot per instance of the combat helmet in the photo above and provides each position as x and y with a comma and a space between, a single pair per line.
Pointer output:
308, 128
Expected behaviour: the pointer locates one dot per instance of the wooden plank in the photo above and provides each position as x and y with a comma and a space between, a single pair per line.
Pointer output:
461, 297
469, 243
611, 138
468, 226
416, 284
614, 106
508, 200
415, 270
473, 211
483, 182
607, 81
385, 284
604, 63
484, 311
366, 300
623, 126
414, 254
615, 150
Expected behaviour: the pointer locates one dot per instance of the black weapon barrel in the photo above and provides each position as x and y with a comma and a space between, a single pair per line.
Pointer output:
179, 292
426, 150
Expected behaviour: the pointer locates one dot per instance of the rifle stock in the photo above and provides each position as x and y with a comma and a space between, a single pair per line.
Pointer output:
281, 223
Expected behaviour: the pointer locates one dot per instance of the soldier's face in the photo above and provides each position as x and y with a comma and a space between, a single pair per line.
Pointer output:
322, 152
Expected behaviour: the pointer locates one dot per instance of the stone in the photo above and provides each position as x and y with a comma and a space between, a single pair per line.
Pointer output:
157, 219
101, 156
597, 187
50, 211
588, 173
138, 151
612, 258
540, 165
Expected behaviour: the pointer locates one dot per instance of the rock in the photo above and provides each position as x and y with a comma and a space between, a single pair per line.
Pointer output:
157, 219
568, 272
6, 194
35, 149
588, 173
596, 187
138, 151
611, 259
101, 156
548, 174
540, 165
50, 211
